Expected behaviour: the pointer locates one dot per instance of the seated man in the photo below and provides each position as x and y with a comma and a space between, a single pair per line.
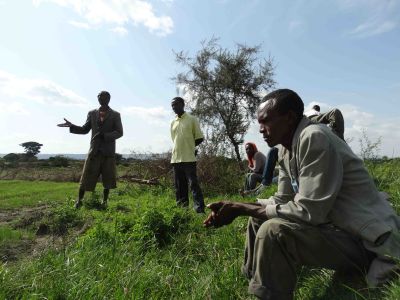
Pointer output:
268, 173
256, 162
326, 213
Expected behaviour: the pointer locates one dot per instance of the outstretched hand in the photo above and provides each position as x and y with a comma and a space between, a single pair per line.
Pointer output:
66, 124
222, 213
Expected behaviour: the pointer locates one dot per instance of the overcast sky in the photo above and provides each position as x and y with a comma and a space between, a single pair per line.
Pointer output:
56, 55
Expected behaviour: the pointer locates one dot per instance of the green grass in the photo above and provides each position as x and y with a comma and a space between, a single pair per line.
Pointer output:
8, 235
16, 193
144, 247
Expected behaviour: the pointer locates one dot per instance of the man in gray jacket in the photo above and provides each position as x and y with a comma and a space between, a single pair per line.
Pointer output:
326, 213
106, 127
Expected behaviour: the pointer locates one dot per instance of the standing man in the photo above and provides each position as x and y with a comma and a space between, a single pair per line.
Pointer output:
186, 135
326, 213
106, 127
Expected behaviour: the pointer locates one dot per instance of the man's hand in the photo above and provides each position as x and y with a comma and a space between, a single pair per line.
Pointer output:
222, 213
66, 124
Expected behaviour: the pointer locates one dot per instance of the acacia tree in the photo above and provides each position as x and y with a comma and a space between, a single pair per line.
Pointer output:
224, 88
31, 148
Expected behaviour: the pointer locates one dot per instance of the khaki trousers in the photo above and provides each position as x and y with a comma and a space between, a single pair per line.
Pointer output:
277, 247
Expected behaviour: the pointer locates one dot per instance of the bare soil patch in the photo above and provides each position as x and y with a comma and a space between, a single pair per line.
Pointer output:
32, 219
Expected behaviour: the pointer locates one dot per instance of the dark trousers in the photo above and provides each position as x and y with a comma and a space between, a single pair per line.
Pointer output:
184, 174
269, 168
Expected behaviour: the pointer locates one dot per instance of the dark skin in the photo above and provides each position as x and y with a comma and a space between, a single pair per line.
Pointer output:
276, 129
103, 101
179, 108
249, 150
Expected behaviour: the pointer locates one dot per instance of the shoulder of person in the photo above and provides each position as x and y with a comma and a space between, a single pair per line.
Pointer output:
114, 112
316, 136
259, 154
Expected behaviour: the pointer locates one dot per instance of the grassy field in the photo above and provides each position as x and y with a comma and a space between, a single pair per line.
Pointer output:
141, 247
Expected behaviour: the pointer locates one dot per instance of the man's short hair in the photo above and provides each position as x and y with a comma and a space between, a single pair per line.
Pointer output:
104, 94
316, 107
286, 100
178, 99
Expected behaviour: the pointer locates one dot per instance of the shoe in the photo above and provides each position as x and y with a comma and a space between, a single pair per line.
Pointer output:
78, 204
260, 188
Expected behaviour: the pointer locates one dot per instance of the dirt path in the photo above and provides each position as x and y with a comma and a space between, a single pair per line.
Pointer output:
32, 219
29, 214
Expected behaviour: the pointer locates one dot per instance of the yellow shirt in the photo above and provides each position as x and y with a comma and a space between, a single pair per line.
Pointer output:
184, 131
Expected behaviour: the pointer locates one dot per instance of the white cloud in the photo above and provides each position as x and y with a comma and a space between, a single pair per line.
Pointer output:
153, 115
82, 25
377, 16
120, 30
118, 13
373, 27
13, 108
39, 90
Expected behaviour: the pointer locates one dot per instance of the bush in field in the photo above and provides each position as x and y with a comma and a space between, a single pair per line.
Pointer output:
58, 161
219, 175
64, 218
11, 157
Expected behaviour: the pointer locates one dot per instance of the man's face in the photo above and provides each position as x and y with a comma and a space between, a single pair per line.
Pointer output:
177, 107
275, 128
103, 100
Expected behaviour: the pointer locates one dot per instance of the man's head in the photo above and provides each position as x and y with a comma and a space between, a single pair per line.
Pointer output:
104, 98
317, 108
178, 105
279, 115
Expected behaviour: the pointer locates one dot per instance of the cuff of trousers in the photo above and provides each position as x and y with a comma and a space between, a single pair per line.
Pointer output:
271, 212
265, 293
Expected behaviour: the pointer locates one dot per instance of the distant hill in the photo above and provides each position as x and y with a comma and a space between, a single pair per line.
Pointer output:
83, 156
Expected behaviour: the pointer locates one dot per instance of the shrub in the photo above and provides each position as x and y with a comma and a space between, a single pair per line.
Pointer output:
59, 161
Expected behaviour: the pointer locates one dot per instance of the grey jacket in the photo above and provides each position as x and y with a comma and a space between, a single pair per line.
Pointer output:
323, 182
111, 128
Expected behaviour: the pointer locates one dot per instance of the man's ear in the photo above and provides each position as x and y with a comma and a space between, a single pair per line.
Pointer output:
292, 117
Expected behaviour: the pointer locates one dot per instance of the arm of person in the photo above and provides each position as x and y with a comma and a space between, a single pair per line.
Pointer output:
84, 129
285, 192
259, 162
320, 179
198, 141
118, 130
224, 212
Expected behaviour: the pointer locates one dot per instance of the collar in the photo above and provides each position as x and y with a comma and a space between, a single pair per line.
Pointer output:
107, 110
181, 117
304, 122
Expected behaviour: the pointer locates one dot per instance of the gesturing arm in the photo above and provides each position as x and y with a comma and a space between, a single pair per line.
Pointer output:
84, 129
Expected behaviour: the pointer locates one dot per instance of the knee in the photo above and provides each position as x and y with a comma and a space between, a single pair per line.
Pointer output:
271, 229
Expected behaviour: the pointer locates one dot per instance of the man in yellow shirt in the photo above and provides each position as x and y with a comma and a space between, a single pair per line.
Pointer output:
186, 135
